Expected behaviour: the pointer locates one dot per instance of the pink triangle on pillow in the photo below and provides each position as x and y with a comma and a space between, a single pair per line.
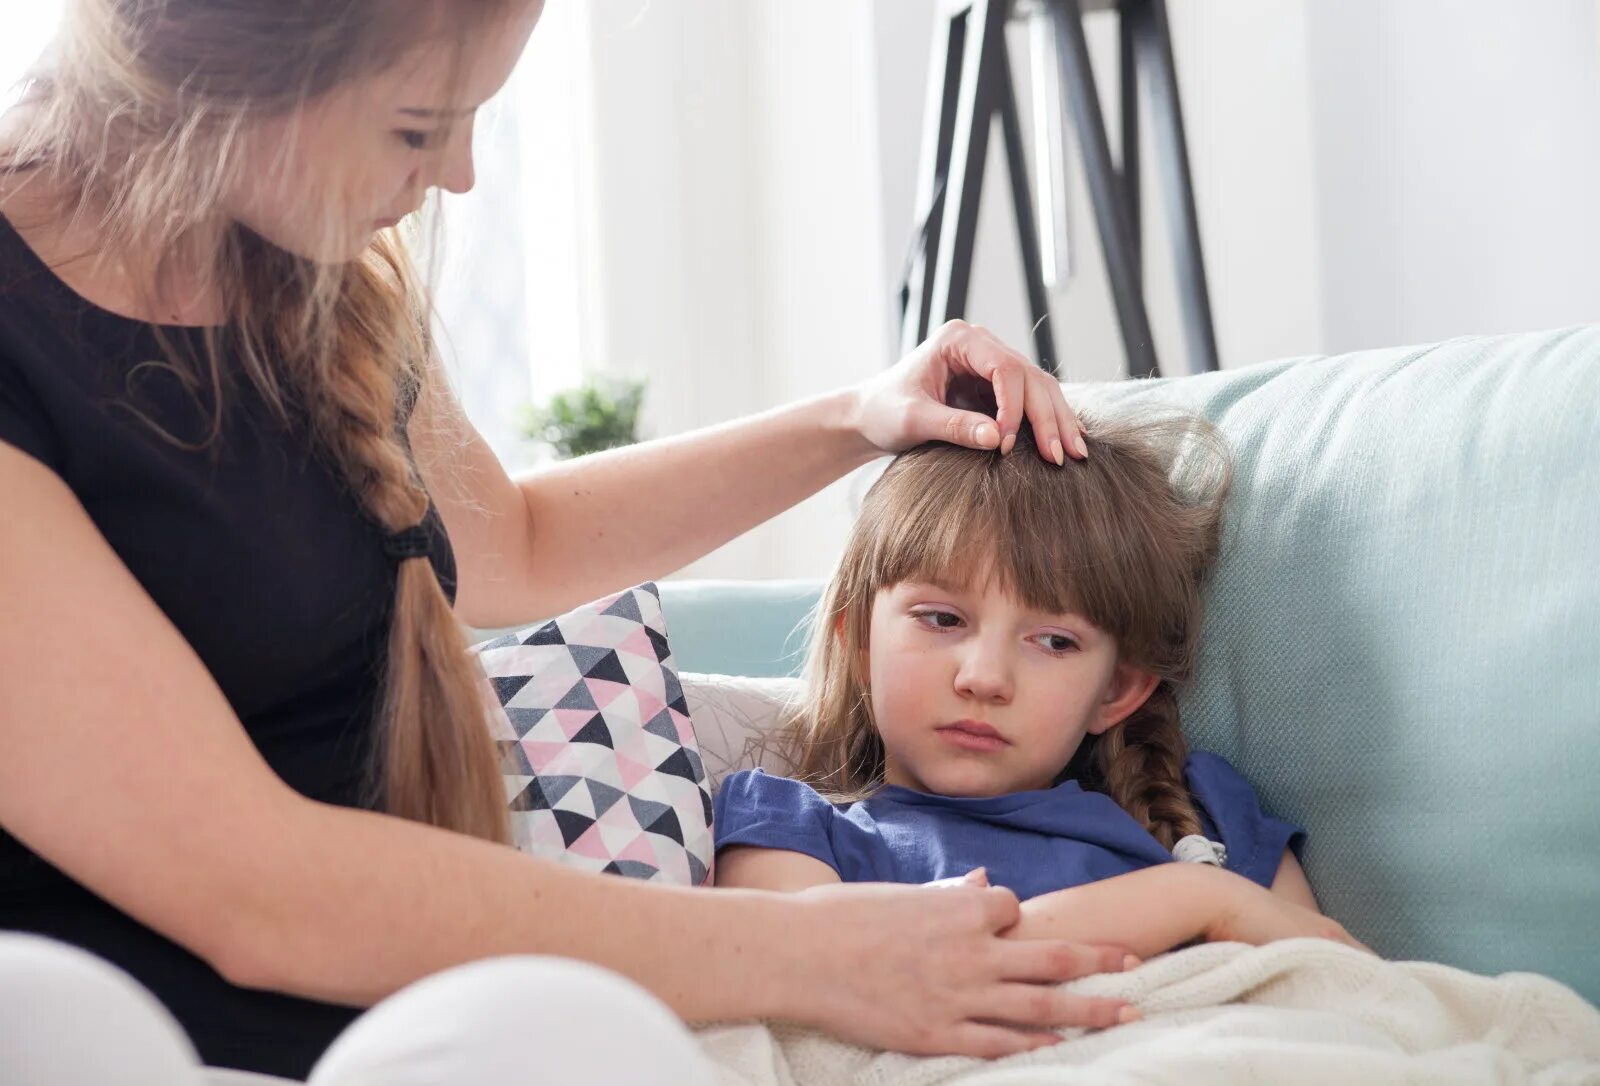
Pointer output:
590, 843
573, 721
639, 849
631, 772
605, 691
638, 643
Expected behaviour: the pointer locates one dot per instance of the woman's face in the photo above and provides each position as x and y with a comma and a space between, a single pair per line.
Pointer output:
949, 664
321, 180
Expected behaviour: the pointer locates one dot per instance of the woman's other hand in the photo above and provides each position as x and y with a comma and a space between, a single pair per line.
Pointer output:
911, 402
924, 970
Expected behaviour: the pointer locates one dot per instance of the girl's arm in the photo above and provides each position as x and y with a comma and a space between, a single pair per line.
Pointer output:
1162, 907
1291, 882
755, 868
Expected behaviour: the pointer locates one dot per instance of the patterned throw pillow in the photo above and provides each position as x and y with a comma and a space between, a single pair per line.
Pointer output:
606, 773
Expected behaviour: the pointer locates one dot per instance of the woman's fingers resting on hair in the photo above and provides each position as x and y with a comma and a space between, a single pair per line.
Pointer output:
907, 404
922, 970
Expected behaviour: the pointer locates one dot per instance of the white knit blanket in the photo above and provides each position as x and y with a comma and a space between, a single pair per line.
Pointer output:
1306, 1011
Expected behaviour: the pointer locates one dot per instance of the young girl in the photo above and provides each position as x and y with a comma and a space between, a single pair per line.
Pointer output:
992, 690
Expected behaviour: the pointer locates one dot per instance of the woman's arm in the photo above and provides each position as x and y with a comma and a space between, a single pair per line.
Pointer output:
1155, 909
554, 538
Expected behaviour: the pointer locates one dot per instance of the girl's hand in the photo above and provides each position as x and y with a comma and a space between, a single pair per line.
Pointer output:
1250, 913
910, 402
922, 969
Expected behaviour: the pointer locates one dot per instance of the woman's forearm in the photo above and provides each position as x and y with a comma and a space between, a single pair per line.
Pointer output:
355, 905
1148, 911
683, 496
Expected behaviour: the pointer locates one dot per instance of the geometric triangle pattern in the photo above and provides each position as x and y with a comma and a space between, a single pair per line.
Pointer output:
602, 770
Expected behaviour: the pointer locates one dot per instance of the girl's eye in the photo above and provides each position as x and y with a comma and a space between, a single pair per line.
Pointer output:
1066, 643
936, 616
417, 141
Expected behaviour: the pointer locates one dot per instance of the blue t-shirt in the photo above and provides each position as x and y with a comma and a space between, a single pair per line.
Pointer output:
1031, 842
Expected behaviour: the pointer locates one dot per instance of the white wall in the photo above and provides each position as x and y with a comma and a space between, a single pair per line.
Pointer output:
735, 174
1457, 147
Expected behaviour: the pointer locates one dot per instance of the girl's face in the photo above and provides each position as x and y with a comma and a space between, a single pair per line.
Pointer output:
976, 695
323, 178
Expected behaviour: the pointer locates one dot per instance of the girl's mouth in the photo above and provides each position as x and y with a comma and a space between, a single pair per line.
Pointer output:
972, 736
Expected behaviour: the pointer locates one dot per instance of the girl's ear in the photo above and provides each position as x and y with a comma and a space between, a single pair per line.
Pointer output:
1129, 688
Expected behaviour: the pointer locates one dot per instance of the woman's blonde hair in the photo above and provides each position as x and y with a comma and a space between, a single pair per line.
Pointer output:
137, 119
1124, 538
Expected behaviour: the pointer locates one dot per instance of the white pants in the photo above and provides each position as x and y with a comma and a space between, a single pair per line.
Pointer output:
68, 1018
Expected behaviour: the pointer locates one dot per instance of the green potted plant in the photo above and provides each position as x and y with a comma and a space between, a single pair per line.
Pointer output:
602, 413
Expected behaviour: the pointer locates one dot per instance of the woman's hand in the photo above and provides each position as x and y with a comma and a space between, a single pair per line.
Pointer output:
1250, 913
910, 402
923, 970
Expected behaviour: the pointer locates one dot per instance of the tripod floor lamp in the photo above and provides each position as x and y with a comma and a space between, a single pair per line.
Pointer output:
969, 82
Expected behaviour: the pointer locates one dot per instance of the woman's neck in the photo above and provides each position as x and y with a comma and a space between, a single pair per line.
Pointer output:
133, 285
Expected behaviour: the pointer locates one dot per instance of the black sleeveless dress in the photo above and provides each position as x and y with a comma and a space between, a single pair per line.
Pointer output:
263, 560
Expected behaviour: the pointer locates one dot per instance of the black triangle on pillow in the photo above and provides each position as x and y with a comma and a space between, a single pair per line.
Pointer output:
548, 634
506, 686
608, 667
572, 824
663, 650
531, 798
625, 606
595, 732
667, 826
679, 765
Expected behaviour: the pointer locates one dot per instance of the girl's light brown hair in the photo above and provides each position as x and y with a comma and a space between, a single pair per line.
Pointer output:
135, 123
1125, 538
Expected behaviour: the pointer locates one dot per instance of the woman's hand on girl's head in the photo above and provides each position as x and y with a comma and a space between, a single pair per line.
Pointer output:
908, 403
924, 970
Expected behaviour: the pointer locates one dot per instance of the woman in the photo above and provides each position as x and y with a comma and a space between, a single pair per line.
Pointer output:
244, 756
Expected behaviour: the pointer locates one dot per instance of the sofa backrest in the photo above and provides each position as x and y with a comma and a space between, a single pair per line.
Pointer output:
1402, 641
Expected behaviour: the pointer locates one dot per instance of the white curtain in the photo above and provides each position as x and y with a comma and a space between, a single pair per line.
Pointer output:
509, 289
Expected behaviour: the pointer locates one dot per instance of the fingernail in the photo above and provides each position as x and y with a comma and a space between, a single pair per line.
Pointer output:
1130, 962
1083, 450
1005, 446
1128, 1014
1055, 450
987, 435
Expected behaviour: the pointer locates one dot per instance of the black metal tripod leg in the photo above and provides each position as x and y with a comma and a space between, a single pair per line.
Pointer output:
1027, 230
1105, 186
939, 120
981, 68
1128, 78
1154, 46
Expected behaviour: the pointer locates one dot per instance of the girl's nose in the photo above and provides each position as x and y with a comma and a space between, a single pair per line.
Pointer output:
984, 675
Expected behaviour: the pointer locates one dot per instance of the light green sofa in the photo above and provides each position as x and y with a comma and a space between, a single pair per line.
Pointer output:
1402, 646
